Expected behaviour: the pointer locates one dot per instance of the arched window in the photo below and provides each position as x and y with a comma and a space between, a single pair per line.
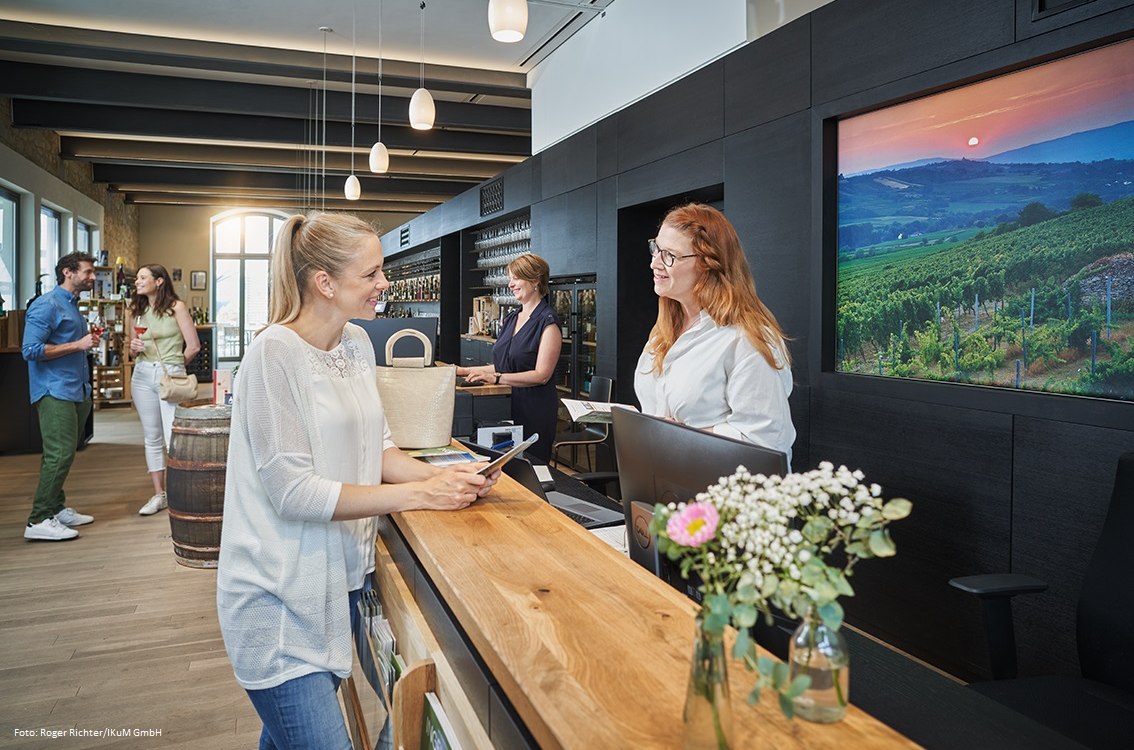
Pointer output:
241, 250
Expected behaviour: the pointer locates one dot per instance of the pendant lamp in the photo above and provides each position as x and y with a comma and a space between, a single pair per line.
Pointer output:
379, 154
507, 19
352, 190
422, 112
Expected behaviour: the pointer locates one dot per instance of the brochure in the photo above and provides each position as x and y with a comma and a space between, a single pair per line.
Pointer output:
583, 412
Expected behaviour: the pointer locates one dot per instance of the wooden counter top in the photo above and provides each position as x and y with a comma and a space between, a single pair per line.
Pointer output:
592, 650
491, 389
478, 337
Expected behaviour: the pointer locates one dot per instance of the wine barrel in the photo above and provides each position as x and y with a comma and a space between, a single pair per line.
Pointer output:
194, 482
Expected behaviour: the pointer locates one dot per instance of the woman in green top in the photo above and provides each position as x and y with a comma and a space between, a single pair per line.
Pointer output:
162, 338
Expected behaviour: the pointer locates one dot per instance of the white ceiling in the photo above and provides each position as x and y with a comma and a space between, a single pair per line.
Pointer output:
456, 31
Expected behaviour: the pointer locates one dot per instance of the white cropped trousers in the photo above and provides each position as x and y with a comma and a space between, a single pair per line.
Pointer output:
156, 415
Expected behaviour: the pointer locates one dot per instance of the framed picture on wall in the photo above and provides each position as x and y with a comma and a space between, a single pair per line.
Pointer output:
198, 280
175, 273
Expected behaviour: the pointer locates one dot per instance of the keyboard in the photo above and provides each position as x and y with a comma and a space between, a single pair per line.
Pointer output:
581, 520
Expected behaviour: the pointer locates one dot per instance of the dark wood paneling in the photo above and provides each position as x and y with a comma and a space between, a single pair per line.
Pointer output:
606, 273
1029, 23
606, 147
1062, 482
955, 466
570, 164
685, 114
859, 44
768, 78
563, 232
521, 185
680, 174
767, 181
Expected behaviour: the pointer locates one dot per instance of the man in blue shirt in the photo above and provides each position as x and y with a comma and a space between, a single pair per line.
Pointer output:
56, 342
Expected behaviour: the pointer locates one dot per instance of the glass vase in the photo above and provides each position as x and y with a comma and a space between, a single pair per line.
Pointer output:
708, 712
821, 653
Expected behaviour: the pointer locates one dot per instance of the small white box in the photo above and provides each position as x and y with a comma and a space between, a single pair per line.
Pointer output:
490, 436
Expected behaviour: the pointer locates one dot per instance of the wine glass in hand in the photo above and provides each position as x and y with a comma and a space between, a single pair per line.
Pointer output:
137, 345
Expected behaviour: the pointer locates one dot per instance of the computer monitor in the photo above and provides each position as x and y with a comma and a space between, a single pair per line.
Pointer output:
381, 329
660, 461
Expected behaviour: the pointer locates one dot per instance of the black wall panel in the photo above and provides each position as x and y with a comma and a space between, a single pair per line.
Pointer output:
521, 185
768, 79
767, 179
606, 279
570, 164
606, 147
687, 113
563, 232
955, 466
1033, 19
682, 173
1062, 483
859, 44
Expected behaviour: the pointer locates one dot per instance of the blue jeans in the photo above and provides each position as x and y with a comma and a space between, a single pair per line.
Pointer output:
302, 714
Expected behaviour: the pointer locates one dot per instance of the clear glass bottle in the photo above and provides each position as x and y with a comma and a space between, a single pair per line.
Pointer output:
708, 710
822, 654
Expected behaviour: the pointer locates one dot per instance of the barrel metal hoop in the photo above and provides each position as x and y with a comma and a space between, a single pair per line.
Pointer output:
181, 428
173, 462
199, 517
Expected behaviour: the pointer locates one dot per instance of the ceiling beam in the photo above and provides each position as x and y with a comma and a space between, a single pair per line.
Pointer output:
158, 123
219, 58
213, 156
85, 86
133, 176
296, 204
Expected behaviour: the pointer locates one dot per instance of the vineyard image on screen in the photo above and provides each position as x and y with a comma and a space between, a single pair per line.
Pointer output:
986, 233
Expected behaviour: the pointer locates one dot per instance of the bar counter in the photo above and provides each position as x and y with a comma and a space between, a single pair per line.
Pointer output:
589, 649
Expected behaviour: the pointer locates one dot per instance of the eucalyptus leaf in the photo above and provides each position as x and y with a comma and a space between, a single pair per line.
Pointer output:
896, 509
832, 615
754, 696
740, 647
780, 674
715, 623
787, 706
881, 544
771, 583
798, 686
744, 616
718, 603
839, 581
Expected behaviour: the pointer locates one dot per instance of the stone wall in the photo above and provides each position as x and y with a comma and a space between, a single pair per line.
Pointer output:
41, 147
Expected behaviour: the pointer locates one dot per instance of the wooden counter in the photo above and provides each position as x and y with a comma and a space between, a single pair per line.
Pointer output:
590, 649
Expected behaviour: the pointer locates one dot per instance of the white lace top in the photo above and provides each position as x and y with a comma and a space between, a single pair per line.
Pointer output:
304, 422
714, 379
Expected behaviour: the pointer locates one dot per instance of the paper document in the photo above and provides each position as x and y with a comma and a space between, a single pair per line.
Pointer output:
592, 411
445, 456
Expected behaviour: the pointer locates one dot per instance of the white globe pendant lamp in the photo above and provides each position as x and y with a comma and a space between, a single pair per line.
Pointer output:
352, 189
508, 20
422, 111
379, 154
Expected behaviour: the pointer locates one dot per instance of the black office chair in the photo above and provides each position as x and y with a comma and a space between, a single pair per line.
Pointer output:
1096, 709
591, 434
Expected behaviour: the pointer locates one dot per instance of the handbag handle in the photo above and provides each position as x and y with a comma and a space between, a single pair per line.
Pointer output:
159, 359
423, 361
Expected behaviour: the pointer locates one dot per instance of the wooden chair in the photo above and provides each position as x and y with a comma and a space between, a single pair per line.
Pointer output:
591, 434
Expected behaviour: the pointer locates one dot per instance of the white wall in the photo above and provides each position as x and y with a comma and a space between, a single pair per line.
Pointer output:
637, 47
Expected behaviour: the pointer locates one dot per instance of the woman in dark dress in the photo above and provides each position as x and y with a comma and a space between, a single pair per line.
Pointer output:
525, 354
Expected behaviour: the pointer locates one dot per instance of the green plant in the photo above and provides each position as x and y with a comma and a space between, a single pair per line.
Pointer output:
758, 542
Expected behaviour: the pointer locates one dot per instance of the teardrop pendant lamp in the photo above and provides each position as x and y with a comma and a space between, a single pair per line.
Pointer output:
352, 189
508, 20
422, 111
379, 154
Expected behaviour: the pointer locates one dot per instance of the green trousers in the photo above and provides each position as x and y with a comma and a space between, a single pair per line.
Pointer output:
60, 424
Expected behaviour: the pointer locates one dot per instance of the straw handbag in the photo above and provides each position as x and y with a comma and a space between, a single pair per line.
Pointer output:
418, 400
174, 388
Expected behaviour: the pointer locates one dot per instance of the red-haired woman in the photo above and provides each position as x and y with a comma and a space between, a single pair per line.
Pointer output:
716, 358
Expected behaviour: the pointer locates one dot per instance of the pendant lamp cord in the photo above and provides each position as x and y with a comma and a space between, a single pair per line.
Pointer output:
422, 77
353, 59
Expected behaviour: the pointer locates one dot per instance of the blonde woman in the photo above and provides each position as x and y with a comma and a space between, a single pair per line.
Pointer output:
526, 352
162, 338
310, 464
716, 358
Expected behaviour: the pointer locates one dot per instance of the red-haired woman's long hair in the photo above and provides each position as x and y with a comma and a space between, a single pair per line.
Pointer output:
726, 291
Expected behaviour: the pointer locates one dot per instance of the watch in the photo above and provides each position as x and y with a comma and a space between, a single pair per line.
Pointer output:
497, 378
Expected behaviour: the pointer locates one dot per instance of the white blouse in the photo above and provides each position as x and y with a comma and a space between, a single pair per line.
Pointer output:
304, 422
713, 378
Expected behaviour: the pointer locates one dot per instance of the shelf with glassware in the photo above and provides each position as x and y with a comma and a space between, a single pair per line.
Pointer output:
111, 364
573, 300
415, 286
494, 247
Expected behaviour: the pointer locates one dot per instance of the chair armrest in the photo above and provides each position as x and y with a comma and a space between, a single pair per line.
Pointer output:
599, 481
999, 584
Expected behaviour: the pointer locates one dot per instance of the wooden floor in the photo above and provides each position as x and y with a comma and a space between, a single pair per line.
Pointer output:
107, 631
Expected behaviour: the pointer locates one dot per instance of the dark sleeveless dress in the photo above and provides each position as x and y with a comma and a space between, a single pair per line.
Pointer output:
534, 407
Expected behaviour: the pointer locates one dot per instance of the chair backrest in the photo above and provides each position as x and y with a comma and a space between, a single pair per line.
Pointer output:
601, 389
1106, 601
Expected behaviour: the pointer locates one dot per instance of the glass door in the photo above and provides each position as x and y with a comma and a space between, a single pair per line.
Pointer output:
574, 303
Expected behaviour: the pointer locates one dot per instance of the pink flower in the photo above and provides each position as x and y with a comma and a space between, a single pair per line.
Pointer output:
694, 525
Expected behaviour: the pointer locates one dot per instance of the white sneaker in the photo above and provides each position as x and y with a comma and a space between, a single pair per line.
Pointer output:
49, 530
153, 505
71, 517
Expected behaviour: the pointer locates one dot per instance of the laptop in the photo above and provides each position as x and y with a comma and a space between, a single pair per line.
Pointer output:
583, 512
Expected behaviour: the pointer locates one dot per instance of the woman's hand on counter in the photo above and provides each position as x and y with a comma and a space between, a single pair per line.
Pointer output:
481, 374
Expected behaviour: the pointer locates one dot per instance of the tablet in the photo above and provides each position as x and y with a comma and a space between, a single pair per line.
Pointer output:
514, 451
